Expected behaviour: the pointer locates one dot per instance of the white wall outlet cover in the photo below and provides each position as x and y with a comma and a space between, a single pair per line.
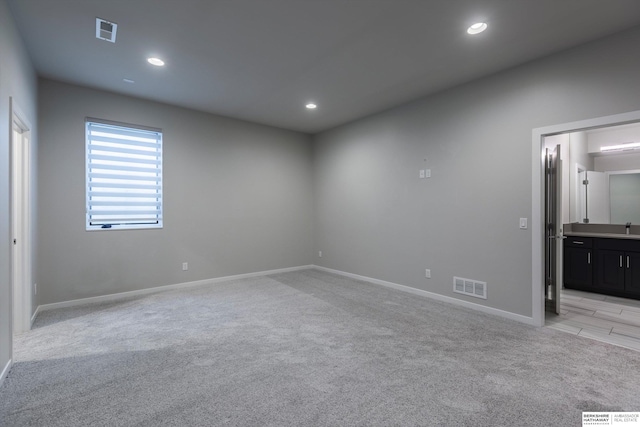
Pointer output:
422, 173
427, 273
427, 173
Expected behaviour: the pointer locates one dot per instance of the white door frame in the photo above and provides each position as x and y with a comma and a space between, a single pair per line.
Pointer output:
537, 203
20, 218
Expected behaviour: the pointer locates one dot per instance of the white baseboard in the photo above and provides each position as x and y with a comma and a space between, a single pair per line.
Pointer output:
5, 372
147, 291
467, 304
420, 292
35, 314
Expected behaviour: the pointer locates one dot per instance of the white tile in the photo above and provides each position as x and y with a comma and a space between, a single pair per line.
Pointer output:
625, 318
625, 303
581, 294
605, 318
630, 313
615, 339
584, 322
564, 328
565, 297
587, 304
626, 330
569, 292
574, 309
590, 322
594, 296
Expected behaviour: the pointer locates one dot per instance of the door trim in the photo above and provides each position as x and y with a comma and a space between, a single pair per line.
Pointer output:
19, 120
537, 202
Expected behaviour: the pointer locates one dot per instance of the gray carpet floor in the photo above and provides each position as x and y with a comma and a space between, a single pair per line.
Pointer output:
305, 348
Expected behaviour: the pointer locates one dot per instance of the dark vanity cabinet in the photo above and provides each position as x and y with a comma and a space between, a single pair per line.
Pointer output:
618, 266
632, 277
578, 262
605, 265
611, 269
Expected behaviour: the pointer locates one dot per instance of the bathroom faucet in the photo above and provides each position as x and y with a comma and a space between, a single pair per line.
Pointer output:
628, 227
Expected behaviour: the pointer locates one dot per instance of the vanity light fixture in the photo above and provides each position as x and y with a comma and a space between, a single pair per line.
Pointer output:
477, 28
621, 147
155, 61
311, 106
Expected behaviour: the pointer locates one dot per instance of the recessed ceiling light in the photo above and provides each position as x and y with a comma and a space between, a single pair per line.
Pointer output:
311, 106
477, 28
155, 61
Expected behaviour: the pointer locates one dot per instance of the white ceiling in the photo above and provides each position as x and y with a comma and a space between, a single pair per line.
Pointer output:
263, 60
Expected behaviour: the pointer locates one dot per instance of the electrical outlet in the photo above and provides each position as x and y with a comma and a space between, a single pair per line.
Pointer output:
427, 273
421, 173
319, 254
185, 266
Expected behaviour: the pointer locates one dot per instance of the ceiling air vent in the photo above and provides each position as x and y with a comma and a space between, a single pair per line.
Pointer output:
106, 30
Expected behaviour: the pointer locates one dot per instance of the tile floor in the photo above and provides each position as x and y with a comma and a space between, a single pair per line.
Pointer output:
604, 318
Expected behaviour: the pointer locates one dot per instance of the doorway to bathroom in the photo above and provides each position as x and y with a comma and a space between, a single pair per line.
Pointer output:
576, 180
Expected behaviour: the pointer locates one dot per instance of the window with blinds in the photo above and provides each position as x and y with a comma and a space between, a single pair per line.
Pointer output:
124, 176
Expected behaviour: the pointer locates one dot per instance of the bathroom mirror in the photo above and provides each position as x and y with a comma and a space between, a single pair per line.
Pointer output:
608, 159
609, 197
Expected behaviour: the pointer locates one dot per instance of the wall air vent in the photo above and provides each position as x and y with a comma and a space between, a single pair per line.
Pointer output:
473, 288
106, 30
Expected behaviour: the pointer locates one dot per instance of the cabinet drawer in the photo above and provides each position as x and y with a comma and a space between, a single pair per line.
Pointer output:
578, 242
630, 245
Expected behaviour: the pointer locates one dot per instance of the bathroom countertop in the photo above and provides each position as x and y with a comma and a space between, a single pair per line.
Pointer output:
603, 235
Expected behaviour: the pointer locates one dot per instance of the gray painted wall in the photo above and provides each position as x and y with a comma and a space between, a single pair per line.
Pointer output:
376, 218
17, 80
237, 199
240, 197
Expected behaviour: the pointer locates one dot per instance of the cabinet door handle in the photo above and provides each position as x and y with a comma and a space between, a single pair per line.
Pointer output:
627, 261
588, 257
576, 242
620, 261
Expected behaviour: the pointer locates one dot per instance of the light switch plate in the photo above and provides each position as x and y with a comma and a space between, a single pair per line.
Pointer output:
427, 173
421, 173
523, 223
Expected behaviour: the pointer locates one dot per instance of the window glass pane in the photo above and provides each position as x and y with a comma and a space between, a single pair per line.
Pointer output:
124, 177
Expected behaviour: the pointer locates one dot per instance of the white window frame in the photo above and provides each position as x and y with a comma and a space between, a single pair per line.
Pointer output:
123, 165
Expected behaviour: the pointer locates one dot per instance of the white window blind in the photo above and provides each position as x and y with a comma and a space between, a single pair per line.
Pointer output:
124, 177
